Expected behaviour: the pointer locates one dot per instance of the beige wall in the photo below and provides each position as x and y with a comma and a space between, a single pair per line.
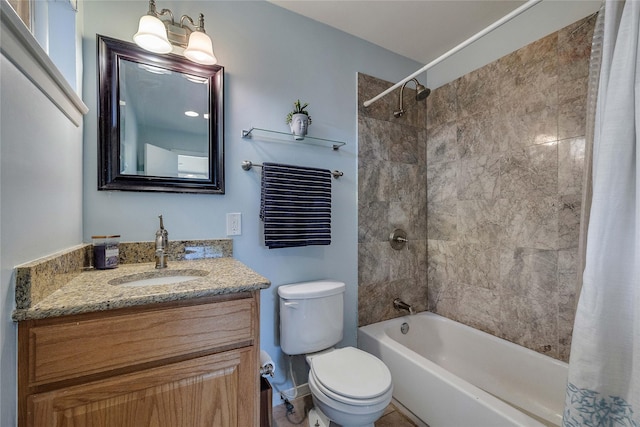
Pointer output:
504, 161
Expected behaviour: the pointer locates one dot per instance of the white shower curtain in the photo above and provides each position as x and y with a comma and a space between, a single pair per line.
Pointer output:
604, 369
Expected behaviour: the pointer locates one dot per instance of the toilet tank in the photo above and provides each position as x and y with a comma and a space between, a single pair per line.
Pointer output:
311, 316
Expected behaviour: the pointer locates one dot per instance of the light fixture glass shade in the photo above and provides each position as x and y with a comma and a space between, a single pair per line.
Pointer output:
152, 35
200, 49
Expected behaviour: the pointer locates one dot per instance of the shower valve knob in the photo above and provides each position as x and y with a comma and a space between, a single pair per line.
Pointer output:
398, 239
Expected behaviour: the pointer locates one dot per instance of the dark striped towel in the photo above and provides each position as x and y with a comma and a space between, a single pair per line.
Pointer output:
295, 205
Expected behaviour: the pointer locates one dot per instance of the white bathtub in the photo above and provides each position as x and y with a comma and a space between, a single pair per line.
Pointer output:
451, 375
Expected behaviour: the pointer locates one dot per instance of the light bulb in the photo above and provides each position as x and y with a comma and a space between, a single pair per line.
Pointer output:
200, 49
152, 35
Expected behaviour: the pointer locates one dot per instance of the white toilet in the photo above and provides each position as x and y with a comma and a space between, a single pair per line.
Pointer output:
348, 386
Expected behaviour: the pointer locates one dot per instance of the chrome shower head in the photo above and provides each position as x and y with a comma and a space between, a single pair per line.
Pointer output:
422, 92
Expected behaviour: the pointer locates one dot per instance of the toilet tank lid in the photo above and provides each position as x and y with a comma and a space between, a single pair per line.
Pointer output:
316, 289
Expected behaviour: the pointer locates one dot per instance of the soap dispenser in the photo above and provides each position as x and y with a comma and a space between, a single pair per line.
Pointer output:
162, 245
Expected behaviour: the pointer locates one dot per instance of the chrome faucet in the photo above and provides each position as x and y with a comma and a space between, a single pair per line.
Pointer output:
162, 245
398, 304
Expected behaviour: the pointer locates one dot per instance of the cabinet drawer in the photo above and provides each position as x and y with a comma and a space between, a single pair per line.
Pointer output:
74, 349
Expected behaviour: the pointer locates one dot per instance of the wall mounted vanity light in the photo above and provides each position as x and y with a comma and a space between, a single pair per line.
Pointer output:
157, 32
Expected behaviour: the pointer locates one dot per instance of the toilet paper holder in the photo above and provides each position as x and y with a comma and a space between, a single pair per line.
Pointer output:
267, 367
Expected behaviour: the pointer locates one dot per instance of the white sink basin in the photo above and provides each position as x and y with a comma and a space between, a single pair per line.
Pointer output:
158, 278
168, 280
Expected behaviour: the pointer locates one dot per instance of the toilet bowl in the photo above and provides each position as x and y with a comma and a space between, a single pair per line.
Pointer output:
349, 386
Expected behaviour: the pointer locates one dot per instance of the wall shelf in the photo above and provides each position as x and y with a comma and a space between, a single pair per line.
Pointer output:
288, 137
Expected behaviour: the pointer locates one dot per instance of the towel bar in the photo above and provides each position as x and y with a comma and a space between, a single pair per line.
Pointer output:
248, 164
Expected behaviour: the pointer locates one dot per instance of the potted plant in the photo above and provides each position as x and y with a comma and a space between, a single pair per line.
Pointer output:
299, 120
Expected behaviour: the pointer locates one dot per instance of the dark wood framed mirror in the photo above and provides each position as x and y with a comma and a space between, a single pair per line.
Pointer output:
160, 121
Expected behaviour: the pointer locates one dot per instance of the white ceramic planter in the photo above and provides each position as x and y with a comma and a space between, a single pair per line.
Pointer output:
299, 125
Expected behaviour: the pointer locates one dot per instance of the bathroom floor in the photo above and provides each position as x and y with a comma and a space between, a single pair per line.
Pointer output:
391, 417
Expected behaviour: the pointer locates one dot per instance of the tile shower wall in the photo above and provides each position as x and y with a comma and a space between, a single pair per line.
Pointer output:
505, 160
493, 197
392, 194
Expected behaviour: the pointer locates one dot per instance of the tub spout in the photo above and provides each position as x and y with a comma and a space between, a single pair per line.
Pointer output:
398, 304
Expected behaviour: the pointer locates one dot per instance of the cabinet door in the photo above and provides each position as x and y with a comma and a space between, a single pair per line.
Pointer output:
209, 391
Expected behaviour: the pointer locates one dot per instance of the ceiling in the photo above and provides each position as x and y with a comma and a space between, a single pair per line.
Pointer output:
421, 29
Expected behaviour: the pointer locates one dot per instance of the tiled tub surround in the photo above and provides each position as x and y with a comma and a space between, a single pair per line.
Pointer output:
60, 284
391, 194
505, 158
489, 194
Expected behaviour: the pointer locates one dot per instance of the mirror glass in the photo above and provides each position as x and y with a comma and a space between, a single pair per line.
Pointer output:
160, 121
172, 138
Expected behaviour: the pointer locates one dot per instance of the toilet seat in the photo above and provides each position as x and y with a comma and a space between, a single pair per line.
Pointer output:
318, 388
351, 376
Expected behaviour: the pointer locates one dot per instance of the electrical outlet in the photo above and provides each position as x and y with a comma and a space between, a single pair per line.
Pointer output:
234, 224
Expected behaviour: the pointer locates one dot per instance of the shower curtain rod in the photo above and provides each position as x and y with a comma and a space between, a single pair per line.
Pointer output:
461, 46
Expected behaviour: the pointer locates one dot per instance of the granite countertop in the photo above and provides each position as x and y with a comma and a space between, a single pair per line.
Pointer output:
98, 290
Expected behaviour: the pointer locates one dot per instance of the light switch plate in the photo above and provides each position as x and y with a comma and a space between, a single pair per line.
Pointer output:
234, 224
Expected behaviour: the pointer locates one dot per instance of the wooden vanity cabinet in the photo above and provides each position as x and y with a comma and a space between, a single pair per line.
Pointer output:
182, 364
